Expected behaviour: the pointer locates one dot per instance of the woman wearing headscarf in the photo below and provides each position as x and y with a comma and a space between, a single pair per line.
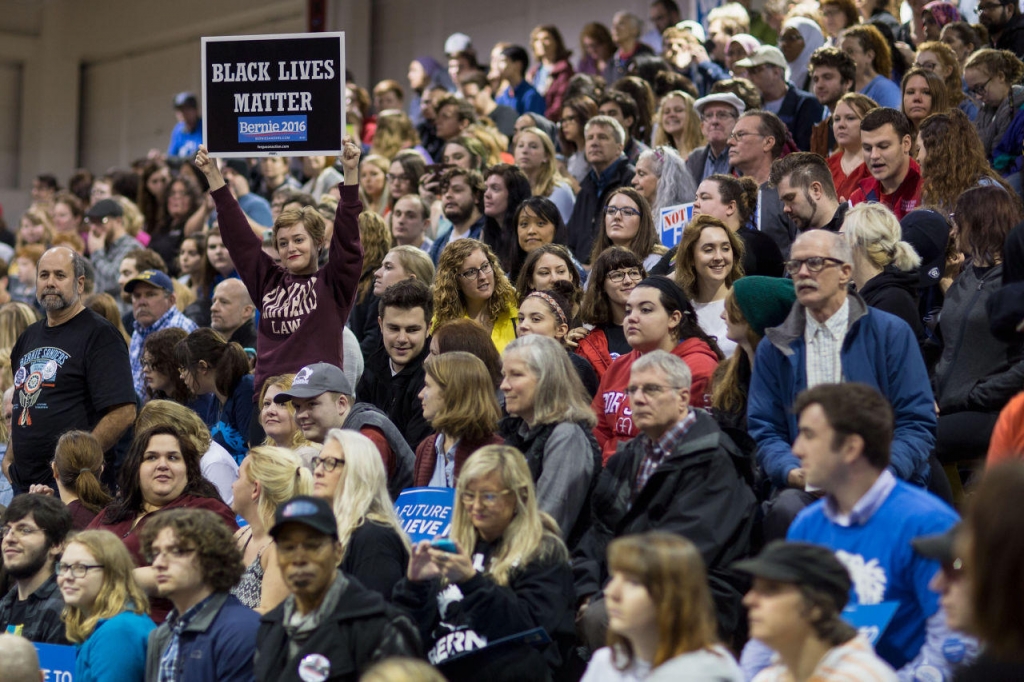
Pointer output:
799, 39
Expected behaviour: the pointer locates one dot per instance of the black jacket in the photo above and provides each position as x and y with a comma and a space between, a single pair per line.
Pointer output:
1012, 37
397, 396
245, 336
895, 292
375, 556
539, 594
586, 217
700, 491
362, 629
800, 110
363, 323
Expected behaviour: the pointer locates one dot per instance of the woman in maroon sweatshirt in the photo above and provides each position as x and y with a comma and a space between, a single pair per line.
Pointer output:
303, 308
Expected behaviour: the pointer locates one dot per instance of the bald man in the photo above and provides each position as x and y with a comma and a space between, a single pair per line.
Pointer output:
231, 313
21, 662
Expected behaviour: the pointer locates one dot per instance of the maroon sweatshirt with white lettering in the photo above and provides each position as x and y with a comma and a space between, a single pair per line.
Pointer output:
301, 316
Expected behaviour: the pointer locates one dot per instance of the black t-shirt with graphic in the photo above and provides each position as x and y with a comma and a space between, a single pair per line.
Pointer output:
65, 377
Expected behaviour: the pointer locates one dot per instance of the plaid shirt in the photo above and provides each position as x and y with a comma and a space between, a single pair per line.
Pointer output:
824, 344
169, 663
172, 318
658, 450
42, 609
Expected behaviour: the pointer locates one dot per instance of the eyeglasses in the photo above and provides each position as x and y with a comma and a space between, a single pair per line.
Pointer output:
489, 499
174, 552
619, 275
147, 363
979, 90
720, 115
19, 531
650, 390
953, 570
290, 549
330, 463
626, 211
740, 135
473, 273
395, 178
76, 570
814, 264
990, 6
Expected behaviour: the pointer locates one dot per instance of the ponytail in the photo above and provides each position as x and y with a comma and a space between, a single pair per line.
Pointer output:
227, 360
78, 458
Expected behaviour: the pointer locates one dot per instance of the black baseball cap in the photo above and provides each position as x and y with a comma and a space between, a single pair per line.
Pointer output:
801, 563
314, 380
312, 512
104, 208
185, 99
928, 232
938, 546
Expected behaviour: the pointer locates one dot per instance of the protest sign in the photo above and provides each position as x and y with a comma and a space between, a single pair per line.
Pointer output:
871, 620
274, 95
56, 661
672, 221
425, 512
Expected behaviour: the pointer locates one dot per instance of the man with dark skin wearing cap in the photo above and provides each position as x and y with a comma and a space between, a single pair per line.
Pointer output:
324, 399
329, 627
794, 607
108, 243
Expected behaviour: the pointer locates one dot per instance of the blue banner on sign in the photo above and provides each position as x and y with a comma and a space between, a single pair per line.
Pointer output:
425, 512
272, 129
56, 661
672, 221
871, 620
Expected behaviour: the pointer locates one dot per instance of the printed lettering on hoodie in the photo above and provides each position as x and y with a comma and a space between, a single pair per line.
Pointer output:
286, 307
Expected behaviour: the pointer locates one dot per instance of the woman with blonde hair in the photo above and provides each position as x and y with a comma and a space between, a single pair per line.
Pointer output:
349, 474
460, 403
678, 124
216, 463
992, 78
470, 282
77, 467
373, 186
278, 420
395, 132
939, 57
15, 318
403, 262
268, 477
661, 621
535, 155
884, 266
509, 572
709, 260
35, 228
105, 610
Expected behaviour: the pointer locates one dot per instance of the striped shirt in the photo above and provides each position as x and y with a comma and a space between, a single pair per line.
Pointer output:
855, 660
824, 343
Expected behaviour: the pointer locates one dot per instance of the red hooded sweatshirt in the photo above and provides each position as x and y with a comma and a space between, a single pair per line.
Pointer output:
611, 404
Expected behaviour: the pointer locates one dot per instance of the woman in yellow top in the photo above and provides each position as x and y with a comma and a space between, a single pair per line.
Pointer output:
470, 283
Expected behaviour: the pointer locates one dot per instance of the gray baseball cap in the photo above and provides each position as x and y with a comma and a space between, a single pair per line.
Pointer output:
314, 380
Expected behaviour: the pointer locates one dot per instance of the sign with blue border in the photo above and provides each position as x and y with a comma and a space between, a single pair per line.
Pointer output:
425, 512
672, 222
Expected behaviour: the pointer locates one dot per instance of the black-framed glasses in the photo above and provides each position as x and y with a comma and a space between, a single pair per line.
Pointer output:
391, 177
650, 390
814, 264
473, 273
991, 6
75, 570
329, 463
618, 275
626, 211
979, 90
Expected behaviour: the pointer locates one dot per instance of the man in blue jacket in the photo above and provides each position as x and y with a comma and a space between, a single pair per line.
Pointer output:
209, 635
832, 336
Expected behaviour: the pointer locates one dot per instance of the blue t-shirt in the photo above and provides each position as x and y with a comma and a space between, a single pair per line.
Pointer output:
883, 565
524, 99
884, 92
232, 429
116, 649
183, 142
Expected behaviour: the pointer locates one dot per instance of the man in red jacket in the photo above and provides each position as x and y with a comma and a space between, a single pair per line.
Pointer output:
895, 177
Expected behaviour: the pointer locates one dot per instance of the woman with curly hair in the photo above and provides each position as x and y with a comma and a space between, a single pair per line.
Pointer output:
395, 132
870, 52
940, 58
162, 376
952, 160
1001, 119
661, 178
575, 114
471, 283
376, 239
373, 186
628, 222
535, 155
924, 94
678, 123
709, 261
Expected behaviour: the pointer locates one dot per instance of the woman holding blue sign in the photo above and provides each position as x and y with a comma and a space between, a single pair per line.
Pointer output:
105, 610
299, 302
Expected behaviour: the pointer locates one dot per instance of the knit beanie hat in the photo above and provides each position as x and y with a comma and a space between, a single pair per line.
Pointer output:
765, 301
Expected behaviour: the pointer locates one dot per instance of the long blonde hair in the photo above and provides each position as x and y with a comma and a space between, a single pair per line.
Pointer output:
281, 476
119, 592
548, 177
531, 535
692, 135
362, 492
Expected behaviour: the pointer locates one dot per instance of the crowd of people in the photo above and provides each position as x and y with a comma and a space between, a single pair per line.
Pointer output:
776, 444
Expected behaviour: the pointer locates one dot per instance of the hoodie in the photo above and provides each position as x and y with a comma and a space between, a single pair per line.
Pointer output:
611, 404
895, 292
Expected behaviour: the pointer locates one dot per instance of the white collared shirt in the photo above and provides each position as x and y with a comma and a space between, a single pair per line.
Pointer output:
824, 343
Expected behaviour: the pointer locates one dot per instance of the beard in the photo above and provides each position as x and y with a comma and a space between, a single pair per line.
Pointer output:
32, 565
53, 301
459, 214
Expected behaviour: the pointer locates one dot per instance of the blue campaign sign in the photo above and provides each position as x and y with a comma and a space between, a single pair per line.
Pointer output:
672, 221
871, 620
425, 512
56, 661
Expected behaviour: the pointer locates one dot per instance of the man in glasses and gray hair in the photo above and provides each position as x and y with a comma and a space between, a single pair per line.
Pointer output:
831, 336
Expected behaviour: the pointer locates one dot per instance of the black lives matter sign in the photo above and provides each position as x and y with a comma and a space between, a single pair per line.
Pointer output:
274, 95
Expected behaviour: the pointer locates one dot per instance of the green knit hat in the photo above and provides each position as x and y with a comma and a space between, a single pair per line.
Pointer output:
765, 301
